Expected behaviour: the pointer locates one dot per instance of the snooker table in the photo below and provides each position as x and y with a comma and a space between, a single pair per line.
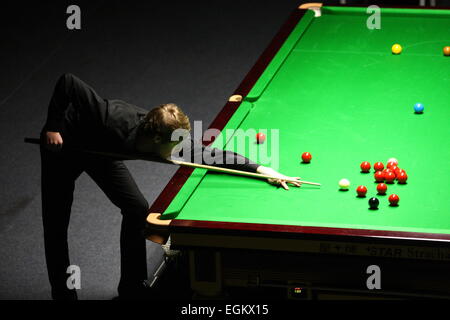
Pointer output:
329, 85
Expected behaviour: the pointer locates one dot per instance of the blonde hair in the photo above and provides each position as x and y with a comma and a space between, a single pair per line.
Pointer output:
165, 119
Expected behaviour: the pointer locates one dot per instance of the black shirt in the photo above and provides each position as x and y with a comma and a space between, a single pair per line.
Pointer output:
86, 120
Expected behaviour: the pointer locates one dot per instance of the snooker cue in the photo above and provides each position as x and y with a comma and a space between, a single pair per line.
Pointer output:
178, 162
238, 172
108, 154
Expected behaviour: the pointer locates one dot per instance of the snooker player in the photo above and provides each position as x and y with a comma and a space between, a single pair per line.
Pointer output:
79, 117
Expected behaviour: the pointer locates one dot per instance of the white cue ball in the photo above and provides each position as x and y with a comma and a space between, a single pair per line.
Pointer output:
344, 184
393, 160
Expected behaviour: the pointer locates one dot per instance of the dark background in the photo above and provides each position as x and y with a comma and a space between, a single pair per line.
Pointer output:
193, 53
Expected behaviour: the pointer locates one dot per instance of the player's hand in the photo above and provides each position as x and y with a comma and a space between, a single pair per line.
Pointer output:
279, 179
54, 141
282, 181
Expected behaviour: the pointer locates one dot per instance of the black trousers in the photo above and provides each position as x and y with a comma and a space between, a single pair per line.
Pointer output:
59, 172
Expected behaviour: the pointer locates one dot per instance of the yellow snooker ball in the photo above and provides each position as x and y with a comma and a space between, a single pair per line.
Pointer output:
396, 48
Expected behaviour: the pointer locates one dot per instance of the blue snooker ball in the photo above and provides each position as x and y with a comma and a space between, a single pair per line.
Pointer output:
418, 108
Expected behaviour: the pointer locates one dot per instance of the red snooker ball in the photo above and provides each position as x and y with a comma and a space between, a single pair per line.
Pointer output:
365, 166
402, 177
306, 157
260, 137
391, 164
361, 191
381, 188
379, 176
378, 166
394, 199
389, 177
394, 169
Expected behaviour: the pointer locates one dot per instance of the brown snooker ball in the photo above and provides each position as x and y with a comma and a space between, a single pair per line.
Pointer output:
446, 51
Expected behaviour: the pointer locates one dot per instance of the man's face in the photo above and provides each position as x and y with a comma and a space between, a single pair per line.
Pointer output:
165, 149
156, 145
171, 147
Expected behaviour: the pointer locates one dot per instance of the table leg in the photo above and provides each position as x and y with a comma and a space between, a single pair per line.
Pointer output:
205, 273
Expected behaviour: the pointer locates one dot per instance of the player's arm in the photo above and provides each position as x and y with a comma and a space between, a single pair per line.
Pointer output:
71, 90
232, 160
196, 152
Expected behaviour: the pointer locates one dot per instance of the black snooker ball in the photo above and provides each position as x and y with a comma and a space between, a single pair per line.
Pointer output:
373, 203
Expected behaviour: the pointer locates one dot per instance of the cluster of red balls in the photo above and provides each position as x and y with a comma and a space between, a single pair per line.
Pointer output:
383, 177
389, 175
